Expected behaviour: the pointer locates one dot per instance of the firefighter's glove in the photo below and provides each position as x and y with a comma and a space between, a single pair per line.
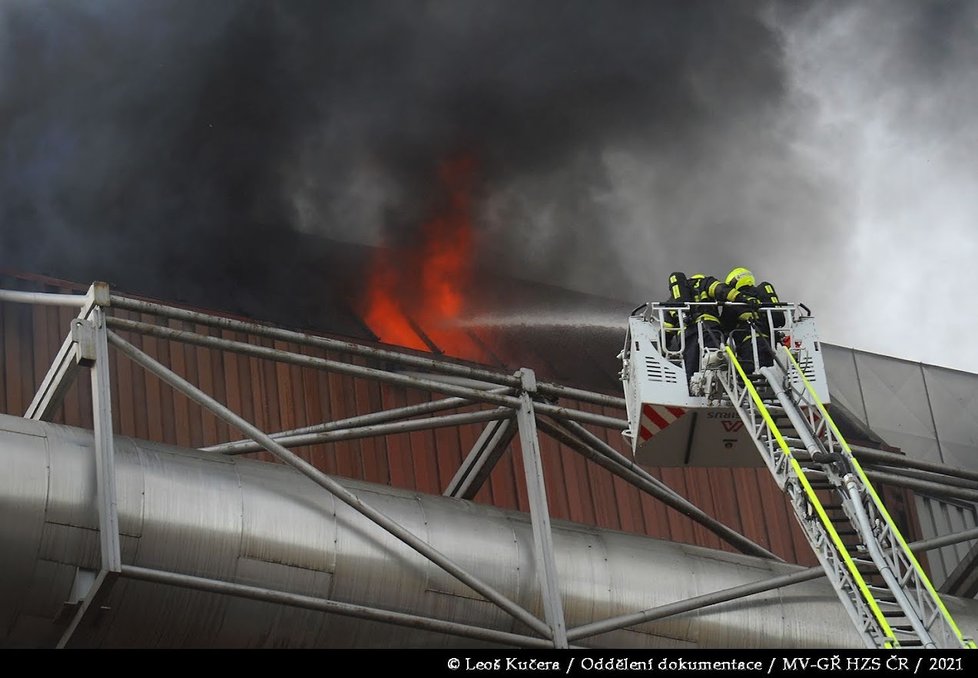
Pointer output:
750, 317
751, 301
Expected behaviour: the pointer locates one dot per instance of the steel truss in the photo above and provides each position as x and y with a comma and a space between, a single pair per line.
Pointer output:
523, 407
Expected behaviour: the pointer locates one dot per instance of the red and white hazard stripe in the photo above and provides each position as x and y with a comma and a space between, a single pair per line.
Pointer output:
655, 418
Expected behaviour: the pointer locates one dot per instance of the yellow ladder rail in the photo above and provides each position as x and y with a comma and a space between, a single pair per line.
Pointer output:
881, 509
889, 640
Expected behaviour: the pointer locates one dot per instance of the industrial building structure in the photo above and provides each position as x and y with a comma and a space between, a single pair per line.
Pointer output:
547, 534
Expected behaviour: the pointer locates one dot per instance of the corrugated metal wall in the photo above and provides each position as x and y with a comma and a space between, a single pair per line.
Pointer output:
930, 413
927, 411
277, 396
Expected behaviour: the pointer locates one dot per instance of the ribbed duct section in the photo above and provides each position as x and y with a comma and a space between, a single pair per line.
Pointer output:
264, 525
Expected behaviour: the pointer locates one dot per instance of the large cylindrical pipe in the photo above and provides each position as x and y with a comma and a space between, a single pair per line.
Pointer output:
264, 525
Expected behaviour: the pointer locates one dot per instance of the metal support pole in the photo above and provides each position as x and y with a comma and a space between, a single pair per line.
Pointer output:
43, 298
480, 461
331, 606
694, 603
741, 591
383, 429
105, 446
108, 516
935, 489
92, 601
944, 540
328, 484
536, 490
63, 369
358, 371
963, 580
400, 357
578, 394
604, 455
868, 454
946, 477
892, 579
59, 377
339, 346
384, 416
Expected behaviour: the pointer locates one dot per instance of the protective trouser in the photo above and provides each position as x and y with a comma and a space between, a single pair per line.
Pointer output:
712, 338
744, 348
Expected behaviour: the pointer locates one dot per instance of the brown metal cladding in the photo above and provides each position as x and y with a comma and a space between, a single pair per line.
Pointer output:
680, 527
311, 403
345, 453
448, 454
468, 435
519, 477
558, 499
627, 497
181, 407
426, 462
373, 450
18, 358
503, 481
232, 384
603, 488
5, 375
277, 396
654, 513
721, 488
398, 445
578, 485
778, 518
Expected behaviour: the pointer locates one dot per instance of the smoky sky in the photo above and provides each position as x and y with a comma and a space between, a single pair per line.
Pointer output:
201, 144
191, 140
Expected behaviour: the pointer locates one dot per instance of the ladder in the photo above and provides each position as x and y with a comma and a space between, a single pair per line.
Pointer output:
879, 581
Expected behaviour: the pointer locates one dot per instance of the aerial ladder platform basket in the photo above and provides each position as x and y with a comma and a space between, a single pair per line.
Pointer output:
670, 427
776, 416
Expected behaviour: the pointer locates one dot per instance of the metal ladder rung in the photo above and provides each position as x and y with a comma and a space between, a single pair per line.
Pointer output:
882, 594
847, 529
822, 485
777, 406
795, 451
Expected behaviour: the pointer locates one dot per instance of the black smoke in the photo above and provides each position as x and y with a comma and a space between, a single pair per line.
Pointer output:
185, 142
144, 140
181, 145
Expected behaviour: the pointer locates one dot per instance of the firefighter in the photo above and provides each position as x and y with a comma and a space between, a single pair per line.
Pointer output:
739, 321
702, 289
680, 292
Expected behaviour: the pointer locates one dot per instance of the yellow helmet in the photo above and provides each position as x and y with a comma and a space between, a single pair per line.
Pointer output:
740, 277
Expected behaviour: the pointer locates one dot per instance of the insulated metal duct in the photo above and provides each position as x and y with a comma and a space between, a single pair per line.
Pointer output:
264, 525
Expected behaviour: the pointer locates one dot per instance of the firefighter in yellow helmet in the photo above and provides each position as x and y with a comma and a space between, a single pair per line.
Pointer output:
703, 291
739, 320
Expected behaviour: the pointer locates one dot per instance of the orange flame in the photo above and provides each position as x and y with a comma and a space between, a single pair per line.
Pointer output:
428, 282
383, 314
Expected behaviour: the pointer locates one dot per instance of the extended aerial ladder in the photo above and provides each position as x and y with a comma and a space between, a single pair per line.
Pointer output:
879, 581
